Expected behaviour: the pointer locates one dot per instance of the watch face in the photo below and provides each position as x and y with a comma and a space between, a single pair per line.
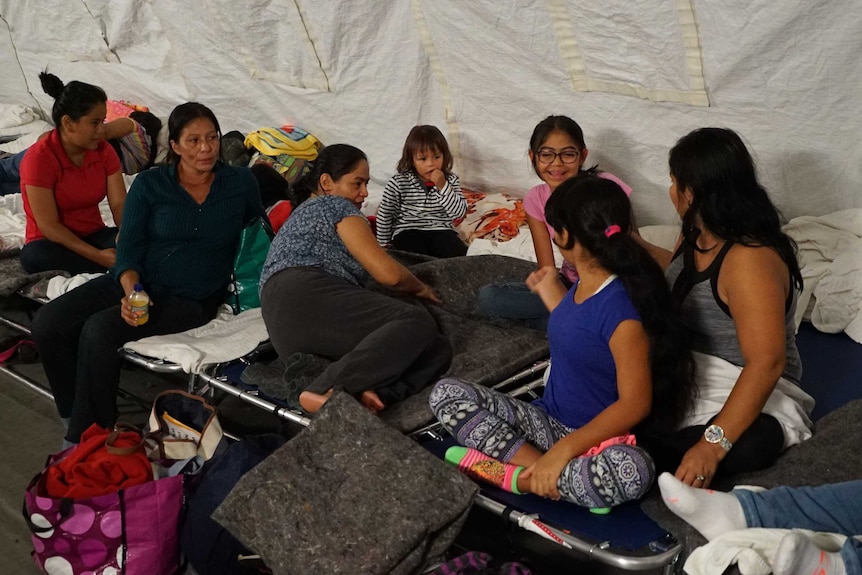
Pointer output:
713, 434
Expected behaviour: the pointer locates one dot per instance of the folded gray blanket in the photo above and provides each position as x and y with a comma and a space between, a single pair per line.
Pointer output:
350, 495
487, 350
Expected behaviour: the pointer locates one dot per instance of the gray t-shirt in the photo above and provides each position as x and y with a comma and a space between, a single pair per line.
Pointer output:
708, 319
309, 238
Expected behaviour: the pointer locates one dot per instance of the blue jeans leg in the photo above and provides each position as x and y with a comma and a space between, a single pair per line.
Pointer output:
513, 300
835, 508
10, 174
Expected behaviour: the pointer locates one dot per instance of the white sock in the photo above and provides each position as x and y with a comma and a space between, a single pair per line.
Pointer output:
798, 555
712, 513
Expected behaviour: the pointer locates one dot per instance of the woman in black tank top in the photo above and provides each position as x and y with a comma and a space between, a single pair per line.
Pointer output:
735, 276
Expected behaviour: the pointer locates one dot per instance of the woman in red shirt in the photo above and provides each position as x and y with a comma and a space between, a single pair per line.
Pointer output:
64, 176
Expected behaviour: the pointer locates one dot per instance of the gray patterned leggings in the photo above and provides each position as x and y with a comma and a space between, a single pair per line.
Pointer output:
498, 425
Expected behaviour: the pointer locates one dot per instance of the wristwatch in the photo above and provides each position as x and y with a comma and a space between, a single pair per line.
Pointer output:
715, 434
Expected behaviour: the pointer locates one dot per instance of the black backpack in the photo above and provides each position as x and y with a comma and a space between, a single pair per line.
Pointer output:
207, 546
233, 150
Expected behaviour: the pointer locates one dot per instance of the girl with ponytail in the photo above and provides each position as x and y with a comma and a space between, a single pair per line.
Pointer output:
618, 362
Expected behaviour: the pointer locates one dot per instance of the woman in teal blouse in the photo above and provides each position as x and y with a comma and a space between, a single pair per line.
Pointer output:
181, 225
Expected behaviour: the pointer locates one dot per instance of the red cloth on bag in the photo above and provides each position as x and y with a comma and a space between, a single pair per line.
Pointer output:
278, 214
89, 470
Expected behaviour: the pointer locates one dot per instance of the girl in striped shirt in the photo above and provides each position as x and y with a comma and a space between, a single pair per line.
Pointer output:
423, 199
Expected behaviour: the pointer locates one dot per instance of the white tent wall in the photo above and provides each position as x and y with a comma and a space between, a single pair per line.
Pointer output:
635, 75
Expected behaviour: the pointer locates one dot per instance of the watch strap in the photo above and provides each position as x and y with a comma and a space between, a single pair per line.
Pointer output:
710, 434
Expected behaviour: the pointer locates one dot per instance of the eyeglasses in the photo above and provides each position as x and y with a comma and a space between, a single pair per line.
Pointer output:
546, 156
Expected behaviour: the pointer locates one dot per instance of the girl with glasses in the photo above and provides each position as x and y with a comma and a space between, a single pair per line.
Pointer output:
557, 152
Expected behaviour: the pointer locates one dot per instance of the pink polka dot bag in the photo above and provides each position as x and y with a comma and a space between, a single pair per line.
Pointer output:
133, 531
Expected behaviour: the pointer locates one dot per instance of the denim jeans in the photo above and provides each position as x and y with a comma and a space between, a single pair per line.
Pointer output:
514, 300
834, 508
10, 174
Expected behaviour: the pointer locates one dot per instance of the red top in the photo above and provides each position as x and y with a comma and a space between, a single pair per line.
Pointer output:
77, 189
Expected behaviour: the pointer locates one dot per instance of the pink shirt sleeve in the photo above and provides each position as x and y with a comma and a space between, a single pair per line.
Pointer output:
535, 200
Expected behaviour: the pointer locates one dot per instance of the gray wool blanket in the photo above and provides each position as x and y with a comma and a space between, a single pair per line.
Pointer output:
832, 455
486, 350
348, 495
13, 277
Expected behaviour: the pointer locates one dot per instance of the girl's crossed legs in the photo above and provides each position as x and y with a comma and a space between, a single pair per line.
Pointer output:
501, 427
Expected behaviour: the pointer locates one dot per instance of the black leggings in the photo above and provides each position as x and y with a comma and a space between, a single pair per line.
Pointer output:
44, 255
376, 342
757, 448
437, 243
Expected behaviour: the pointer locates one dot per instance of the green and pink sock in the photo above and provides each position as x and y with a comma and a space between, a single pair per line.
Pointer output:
479, 466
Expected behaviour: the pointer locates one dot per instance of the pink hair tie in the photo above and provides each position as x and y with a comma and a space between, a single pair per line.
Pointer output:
611, 230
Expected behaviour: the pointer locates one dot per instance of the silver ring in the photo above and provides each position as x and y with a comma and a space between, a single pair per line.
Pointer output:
699, 478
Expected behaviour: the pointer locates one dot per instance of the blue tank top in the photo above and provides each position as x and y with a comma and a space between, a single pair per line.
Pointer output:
708, 319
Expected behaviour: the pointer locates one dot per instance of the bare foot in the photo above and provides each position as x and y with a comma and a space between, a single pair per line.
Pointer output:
372, 401
312, 402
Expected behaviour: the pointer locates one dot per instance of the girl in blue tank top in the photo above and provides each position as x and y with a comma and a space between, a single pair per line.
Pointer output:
619, 361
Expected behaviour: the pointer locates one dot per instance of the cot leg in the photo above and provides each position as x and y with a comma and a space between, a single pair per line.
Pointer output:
673, 567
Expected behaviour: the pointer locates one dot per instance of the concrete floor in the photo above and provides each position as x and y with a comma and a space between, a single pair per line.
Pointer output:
30, 430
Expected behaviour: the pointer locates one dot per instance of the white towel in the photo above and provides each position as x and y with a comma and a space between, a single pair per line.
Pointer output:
225, 338
751, 550
788, 403
11, 228
16, 115
520, 246
59, 285
21, 123
830, 255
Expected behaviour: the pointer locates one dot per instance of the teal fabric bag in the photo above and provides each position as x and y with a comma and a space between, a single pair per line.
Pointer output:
251, 254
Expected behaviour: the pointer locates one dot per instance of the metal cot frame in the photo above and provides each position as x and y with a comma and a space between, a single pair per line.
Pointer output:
524, 382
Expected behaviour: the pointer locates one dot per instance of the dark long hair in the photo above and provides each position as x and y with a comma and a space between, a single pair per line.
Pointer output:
336, 160
425, 138
180, 117
715, 165
74, 99
588, 207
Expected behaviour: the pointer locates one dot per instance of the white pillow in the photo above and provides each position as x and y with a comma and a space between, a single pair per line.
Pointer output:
663, 236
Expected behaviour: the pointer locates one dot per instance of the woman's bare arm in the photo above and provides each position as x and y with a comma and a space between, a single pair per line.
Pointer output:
356, 234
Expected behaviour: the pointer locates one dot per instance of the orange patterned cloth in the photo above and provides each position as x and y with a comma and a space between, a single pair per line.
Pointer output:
491, 216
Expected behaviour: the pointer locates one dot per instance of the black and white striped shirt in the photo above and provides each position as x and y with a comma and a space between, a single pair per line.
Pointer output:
408, 205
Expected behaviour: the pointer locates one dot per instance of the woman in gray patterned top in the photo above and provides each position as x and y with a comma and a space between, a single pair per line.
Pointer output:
735, 278
313, 298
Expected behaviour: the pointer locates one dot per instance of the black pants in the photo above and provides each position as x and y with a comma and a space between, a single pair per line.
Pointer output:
45, 255
757, 448
78, 335
376, 342
437, 243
